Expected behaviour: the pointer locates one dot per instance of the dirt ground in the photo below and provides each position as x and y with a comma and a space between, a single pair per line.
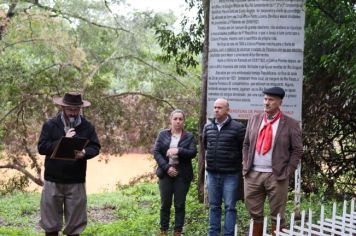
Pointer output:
103, 176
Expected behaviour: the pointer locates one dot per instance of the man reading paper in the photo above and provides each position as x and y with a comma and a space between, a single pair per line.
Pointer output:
64, 186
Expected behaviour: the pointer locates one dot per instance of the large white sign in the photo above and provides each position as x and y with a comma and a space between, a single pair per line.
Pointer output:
254, 45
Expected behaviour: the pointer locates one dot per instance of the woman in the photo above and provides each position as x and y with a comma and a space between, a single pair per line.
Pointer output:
173, 151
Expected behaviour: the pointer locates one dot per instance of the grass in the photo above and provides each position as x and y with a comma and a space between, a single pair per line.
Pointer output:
130, 211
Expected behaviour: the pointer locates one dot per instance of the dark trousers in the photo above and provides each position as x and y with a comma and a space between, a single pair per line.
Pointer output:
178, 188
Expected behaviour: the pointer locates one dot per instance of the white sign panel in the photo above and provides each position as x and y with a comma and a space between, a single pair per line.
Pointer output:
254, 45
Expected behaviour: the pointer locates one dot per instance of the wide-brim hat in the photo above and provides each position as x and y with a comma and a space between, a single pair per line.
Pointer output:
275, 91
71, 99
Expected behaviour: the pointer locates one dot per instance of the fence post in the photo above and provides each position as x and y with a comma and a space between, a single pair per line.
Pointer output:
352, 215
251, 228
322, 219
278, 225
302, 222
297, 190
343, 219
310, 222
333, 218
265, 226
292, 222
336, 225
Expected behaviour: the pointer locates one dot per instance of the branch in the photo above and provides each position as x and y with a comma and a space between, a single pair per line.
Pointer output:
111, 57
13, 109
109, 9
97, 68
21, 169
33, 158
28, 150
139, 94
21, 41
54, 65
153, 67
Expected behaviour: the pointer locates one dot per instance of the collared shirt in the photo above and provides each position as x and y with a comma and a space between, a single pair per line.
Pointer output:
219, 125
271, 117
263, 163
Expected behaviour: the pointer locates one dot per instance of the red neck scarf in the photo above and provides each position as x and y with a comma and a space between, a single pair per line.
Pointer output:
265, 135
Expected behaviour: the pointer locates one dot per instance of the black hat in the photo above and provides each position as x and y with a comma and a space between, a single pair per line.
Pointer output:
71, 99
275, 91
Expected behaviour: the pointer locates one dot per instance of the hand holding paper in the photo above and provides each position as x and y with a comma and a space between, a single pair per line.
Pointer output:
70, 148
79, 154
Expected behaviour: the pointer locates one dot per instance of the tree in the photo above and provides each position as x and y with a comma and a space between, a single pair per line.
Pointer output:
184, 48
329, 102
48, 48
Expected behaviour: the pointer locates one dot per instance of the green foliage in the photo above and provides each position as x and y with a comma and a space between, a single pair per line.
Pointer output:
183, 47
191, 124
333, 26
19, 214
329, 98
12, 231
16, 183
136, 202
138, 213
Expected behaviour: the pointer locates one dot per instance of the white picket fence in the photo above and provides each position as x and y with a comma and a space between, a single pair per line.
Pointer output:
344, 225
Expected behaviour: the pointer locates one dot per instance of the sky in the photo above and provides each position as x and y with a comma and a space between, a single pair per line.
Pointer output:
157, 5
177, 6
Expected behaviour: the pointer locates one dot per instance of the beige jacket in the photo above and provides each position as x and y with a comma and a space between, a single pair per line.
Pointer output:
287, 147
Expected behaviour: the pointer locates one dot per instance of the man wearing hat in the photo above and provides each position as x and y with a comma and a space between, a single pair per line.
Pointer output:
271, 152
64, 180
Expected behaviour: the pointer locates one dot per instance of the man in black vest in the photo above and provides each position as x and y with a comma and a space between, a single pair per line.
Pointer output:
223, 139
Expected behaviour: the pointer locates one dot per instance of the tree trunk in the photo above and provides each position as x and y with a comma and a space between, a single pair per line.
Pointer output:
203, 102
36, 179
5, 18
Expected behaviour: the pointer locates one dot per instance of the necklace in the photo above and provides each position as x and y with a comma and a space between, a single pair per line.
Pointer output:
176, 135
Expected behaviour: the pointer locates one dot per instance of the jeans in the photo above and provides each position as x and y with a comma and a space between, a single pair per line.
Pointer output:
168, 187
222, 187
